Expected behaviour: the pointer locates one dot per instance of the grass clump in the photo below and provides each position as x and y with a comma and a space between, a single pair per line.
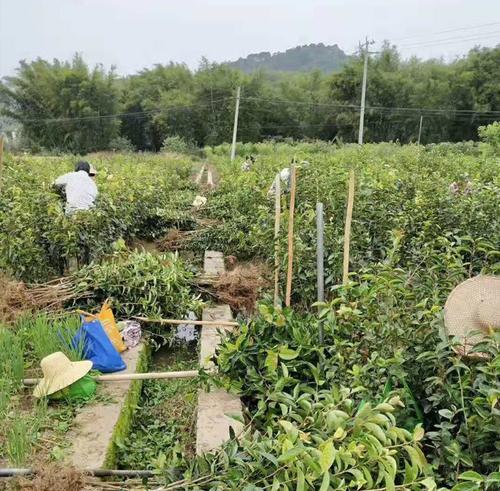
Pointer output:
165, 421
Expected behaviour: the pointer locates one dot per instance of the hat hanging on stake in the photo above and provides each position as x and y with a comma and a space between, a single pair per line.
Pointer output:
59, 372
472, 307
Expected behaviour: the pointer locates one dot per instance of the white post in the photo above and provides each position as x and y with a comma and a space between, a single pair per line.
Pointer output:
320, 261
277, 219
235, 127
420, 130
363, 97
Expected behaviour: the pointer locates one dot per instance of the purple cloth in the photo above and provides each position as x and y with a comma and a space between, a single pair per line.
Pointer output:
131, 334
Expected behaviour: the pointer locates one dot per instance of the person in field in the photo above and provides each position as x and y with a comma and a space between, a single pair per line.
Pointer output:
285, 176
79, 187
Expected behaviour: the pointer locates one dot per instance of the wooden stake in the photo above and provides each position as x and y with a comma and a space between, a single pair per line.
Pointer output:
290, 236
187, 321
200, 174
277, 219
120, 377
347, 230
1, 160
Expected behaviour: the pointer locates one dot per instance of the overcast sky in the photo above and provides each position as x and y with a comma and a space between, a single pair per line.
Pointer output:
134, 34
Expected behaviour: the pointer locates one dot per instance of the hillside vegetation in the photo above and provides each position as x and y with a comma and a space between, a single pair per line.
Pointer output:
299, 59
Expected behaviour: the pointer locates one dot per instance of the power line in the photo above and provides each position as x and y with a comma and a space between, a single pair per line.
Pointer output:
439, 42
382, 109
117, 115
357, 107
468, 28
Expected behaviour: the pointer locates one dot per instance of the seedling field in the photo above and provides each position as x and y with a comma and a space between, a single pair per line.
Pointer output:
383, 401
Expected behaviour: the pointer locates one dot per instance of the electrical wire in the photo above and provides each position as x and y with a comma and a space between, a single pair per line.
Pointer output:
118, 115
468, 28
440, 42
358, 107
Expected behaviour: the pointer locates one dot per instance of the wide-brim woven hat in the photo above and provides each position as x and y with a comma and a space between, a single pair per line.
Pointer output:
60, 372
473, 308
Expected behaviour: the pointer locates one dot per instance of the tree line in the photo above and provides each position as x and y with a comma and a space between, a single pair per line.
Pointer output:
69, 106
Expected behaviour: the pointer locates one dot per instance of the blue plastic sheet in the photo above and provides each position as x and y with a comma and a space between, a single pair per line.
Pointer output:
98, 348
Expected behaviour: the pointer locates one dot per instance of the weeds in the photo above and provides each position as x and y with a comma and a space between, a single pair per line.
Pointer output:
165, 422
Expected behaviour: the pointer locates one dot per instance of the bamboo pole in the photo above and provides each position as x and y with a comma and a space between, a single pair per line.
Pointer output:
277, 220
187, 321
120, 377
290, 235
200, 174
1, 160
348, 223
11, 472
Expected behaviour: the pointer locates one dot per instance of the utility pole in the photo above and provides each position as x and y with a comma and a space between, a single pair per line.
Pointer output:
420, 129
235, 127
363, 92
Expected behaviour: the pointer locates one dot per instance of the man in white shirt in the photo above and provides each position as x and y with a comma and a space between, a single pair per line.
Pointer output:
79, 187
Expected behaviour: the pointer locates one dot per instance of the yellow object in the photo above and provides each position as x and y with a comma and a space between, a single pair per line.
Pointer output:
59, 372
108, 322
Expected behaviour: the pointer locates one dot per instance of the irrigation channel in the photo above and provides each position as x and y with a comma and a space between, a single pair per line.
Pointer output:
165, 419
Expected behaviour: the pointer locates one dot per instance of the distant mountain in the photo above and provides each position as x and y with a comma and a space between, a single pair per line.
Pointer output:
299, 59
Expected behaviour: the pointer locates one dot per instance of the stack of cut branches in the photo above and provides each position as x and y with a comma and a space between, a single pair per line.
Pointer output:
53, 295
175, 239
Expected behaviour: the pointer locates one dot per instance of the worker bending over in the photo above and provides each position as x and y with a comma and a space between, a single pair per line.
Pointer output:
79, 187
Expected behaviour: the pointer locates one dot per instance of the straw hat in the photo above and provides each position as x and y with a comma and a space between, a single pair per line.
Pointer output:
474, 305
59, 372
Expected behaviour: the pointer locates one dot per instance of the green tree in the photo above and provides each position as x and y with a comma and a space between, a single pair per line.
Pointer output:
63, 105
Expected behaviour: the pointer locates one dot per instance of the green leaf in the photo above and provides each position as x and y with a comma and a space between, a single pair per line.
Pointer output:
471, 476
446, 413
325, 483
327, 455
270, 457
466, 486
291, 429
415, 459
429, 483
290, 455
271, 362
301, 481
418, 433
493, 477
287, 353
377, 431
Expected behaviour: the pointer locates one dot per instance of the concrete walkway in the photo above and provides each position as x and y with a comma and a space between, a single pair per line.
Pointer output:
215, 408
94, 427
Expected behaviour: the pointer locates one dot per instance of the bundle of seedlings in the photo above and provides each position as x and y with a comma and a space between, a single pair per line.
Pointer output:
56, 294
138, 283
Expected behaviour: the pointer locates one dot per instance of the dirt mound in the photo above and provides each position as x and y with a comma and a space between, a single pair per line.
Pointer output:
240, 287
